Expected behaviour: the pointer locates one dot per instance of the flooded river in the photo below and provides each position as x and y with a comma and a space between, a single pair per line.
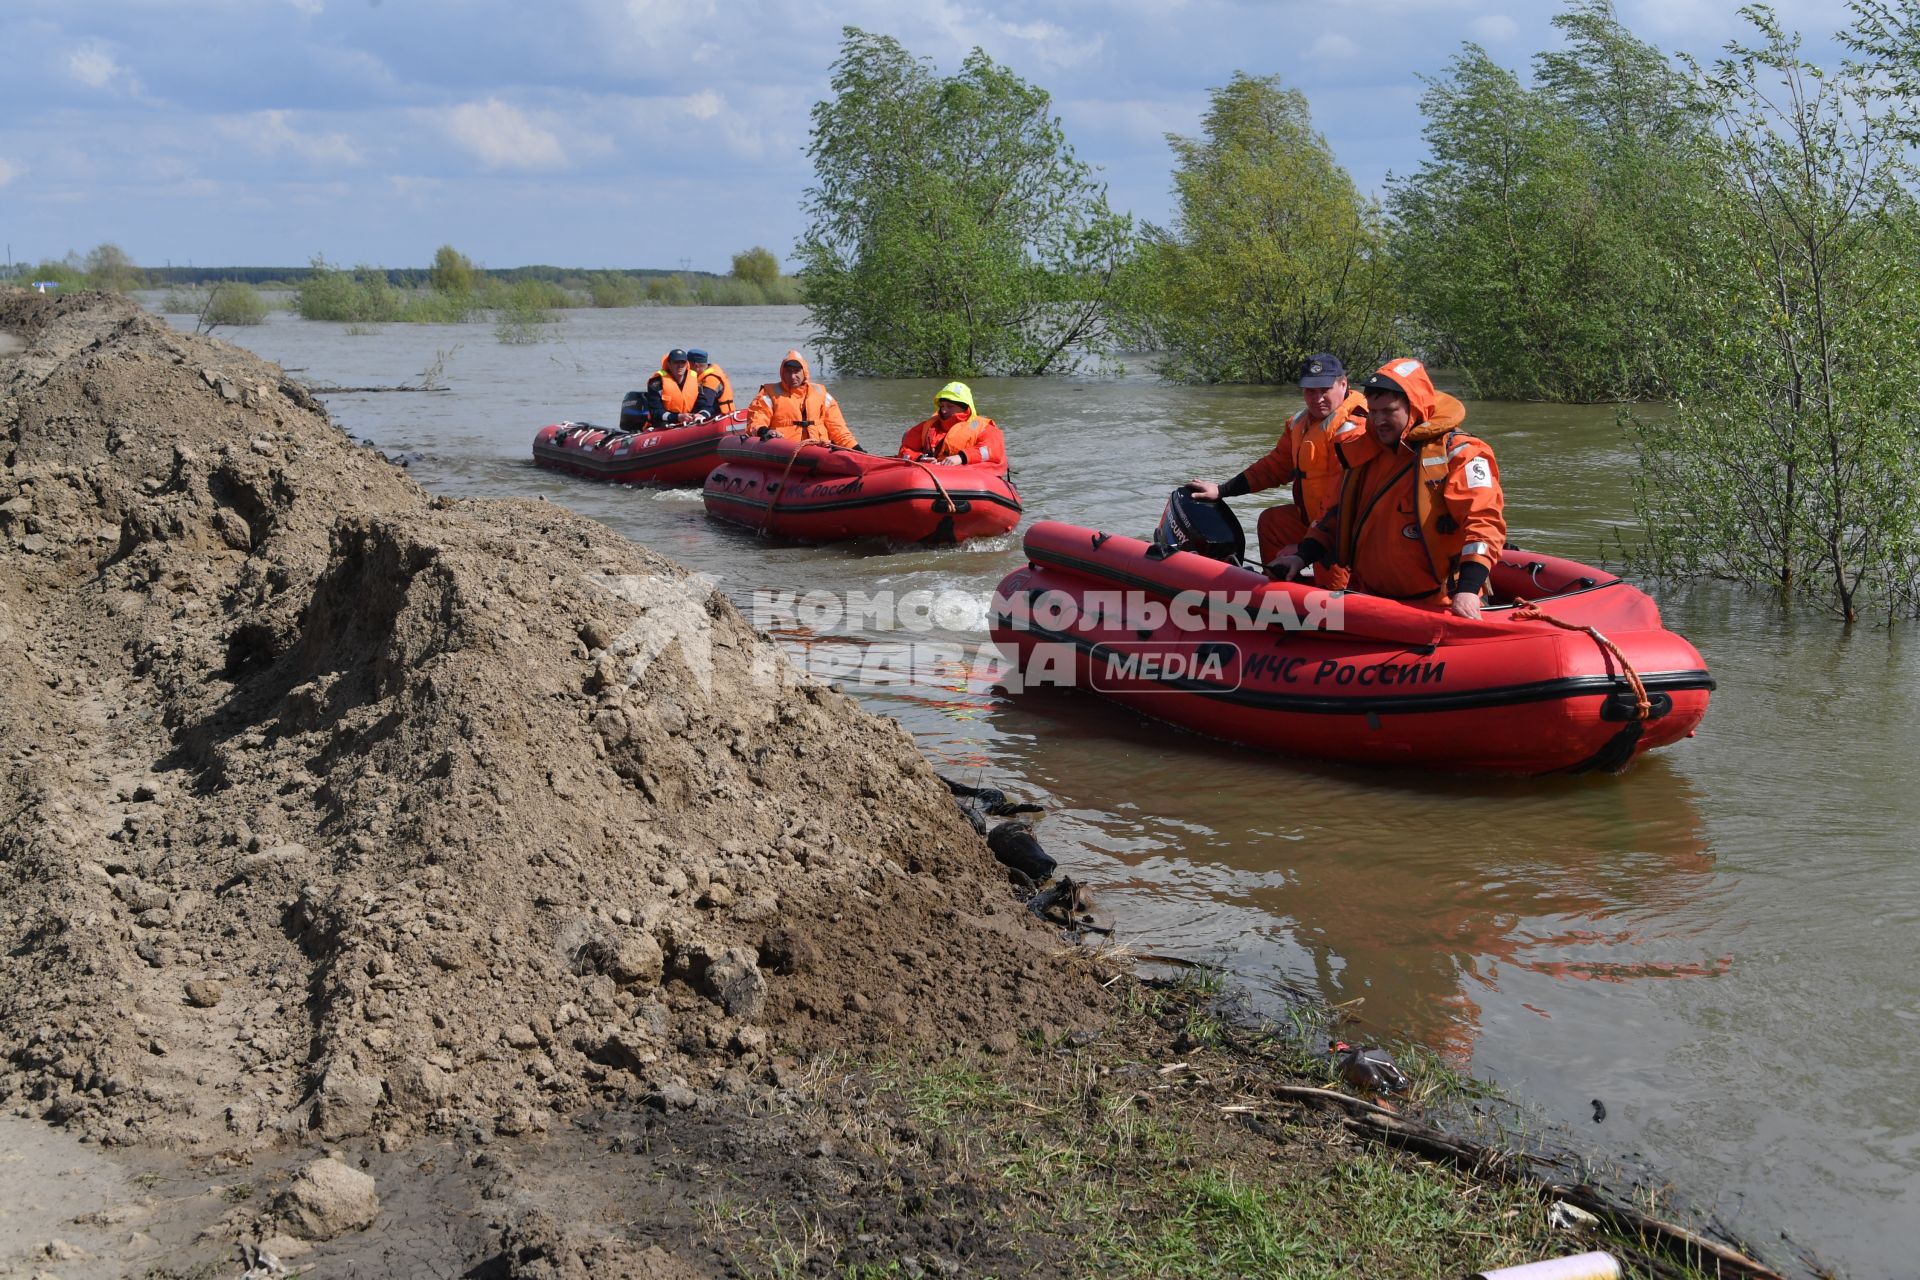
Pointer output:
1716, 945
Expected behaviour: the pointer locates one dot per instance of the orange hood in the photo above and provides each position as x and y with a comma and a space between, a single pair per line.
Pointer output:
805, 375
1422, 399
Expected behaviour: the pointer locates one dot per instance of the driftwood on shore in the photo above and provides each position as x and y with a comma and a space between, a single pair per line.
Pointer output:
328, 389
1381, 1124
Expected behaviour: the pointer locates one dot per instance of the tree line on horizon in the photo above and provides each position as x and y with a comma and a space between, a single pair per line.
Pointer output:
756, 279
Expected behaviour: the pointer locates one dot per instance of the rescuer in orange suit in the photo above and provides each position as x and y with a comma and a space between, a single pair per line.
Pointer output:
1421, 521
672, 392
1317, 445
716, 388
955, 433
797, 408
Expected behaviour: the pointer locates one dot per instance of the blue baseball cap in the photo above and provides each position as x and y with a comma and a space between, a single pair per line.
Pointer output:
1322, 369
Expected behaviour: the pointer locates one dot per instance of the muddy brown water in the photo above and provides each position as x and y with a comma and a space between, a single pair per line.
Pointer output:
1718, 945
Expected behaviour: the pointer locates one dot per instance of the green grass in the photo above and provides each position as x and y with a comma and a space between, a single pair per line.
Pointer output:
954, 1089
1101, 1162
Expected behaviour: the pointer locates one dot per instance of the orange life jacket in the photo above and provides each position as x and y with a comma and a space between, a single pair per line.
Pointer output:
1313, 456
800, 411
675, 397
715, 379
971, 439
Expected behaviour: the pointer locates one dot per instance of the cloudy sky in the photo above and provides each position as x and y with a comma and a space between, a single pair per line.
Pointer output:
631, 133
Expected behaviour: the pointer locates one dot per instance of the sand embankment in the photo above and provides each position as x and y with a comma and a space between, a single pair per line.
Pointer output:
333, 809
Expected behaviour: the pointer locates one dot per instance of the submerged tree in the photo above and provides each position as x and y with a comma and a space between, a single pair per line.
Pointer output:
1787, 460
1273, 254
453, 272
953, 232
109, 267
1539, 243
757, 266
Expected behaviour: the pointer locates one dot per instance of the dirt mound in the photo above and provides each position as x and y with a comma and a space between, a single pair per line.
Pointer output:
329, 806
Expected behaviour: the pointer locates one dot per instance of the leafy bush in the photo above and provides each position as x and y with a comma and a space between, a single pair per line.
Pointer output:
436, 307
669, 291
1786, 463
108, 267
453, 271
362, 296
615, 289
756, 266
522, 307
233, 303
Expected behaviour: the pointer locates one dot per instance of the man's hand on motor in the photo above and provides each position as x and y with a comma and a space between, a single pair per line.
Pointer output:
1205, 490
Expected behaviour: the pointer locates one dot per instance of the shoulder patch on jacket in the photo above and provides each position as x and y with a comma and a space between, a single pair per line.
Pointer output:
1479, 474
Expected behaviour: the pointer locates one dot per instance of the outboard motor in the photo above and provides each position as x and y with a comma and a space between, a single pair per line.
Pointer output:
633, 411
1207, 529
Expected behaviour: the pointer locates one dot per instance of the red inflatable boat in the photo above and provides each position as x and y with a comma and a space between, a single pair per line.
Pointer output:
668, 457
818, 493
1569, 670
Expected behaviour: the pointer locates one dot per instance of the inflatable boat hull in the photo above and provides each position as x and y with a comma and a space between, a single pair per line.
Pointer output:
672, 457
1337, 676
809, 492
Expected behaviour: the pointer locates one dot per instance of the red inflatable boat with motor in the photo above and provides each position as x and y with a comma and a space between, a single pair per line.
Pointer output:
669, 457
1569, 669
811, 492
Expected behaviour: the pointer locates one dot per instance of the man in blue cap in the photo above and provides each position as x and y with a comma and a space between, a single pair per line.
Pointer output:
1315, 449
716, 389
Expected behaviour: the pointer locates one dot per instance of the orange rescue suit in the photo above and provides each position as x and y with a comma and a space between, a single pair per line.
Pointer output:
1409, 517
1312, 456
969, 439
797, 409
1305, 455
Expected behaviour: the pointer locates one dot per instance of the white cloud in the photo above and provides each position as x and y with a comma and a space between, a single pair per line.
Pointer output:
311, 8
1334, 45
622, 29
416, 192
502, 137
1141, 122
704, 105
8, 172
269, 133
1053, 45
94, 67
161, 167
1494, 28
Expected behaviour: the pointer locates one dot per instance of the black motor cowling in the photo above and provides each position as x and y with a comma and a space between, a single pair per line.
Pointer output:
633, 412
1207, 529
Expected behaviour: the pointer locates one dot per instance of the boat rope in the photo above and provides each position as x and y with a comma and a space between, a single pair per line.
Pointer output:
782, 487
1528, 611
948, 504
